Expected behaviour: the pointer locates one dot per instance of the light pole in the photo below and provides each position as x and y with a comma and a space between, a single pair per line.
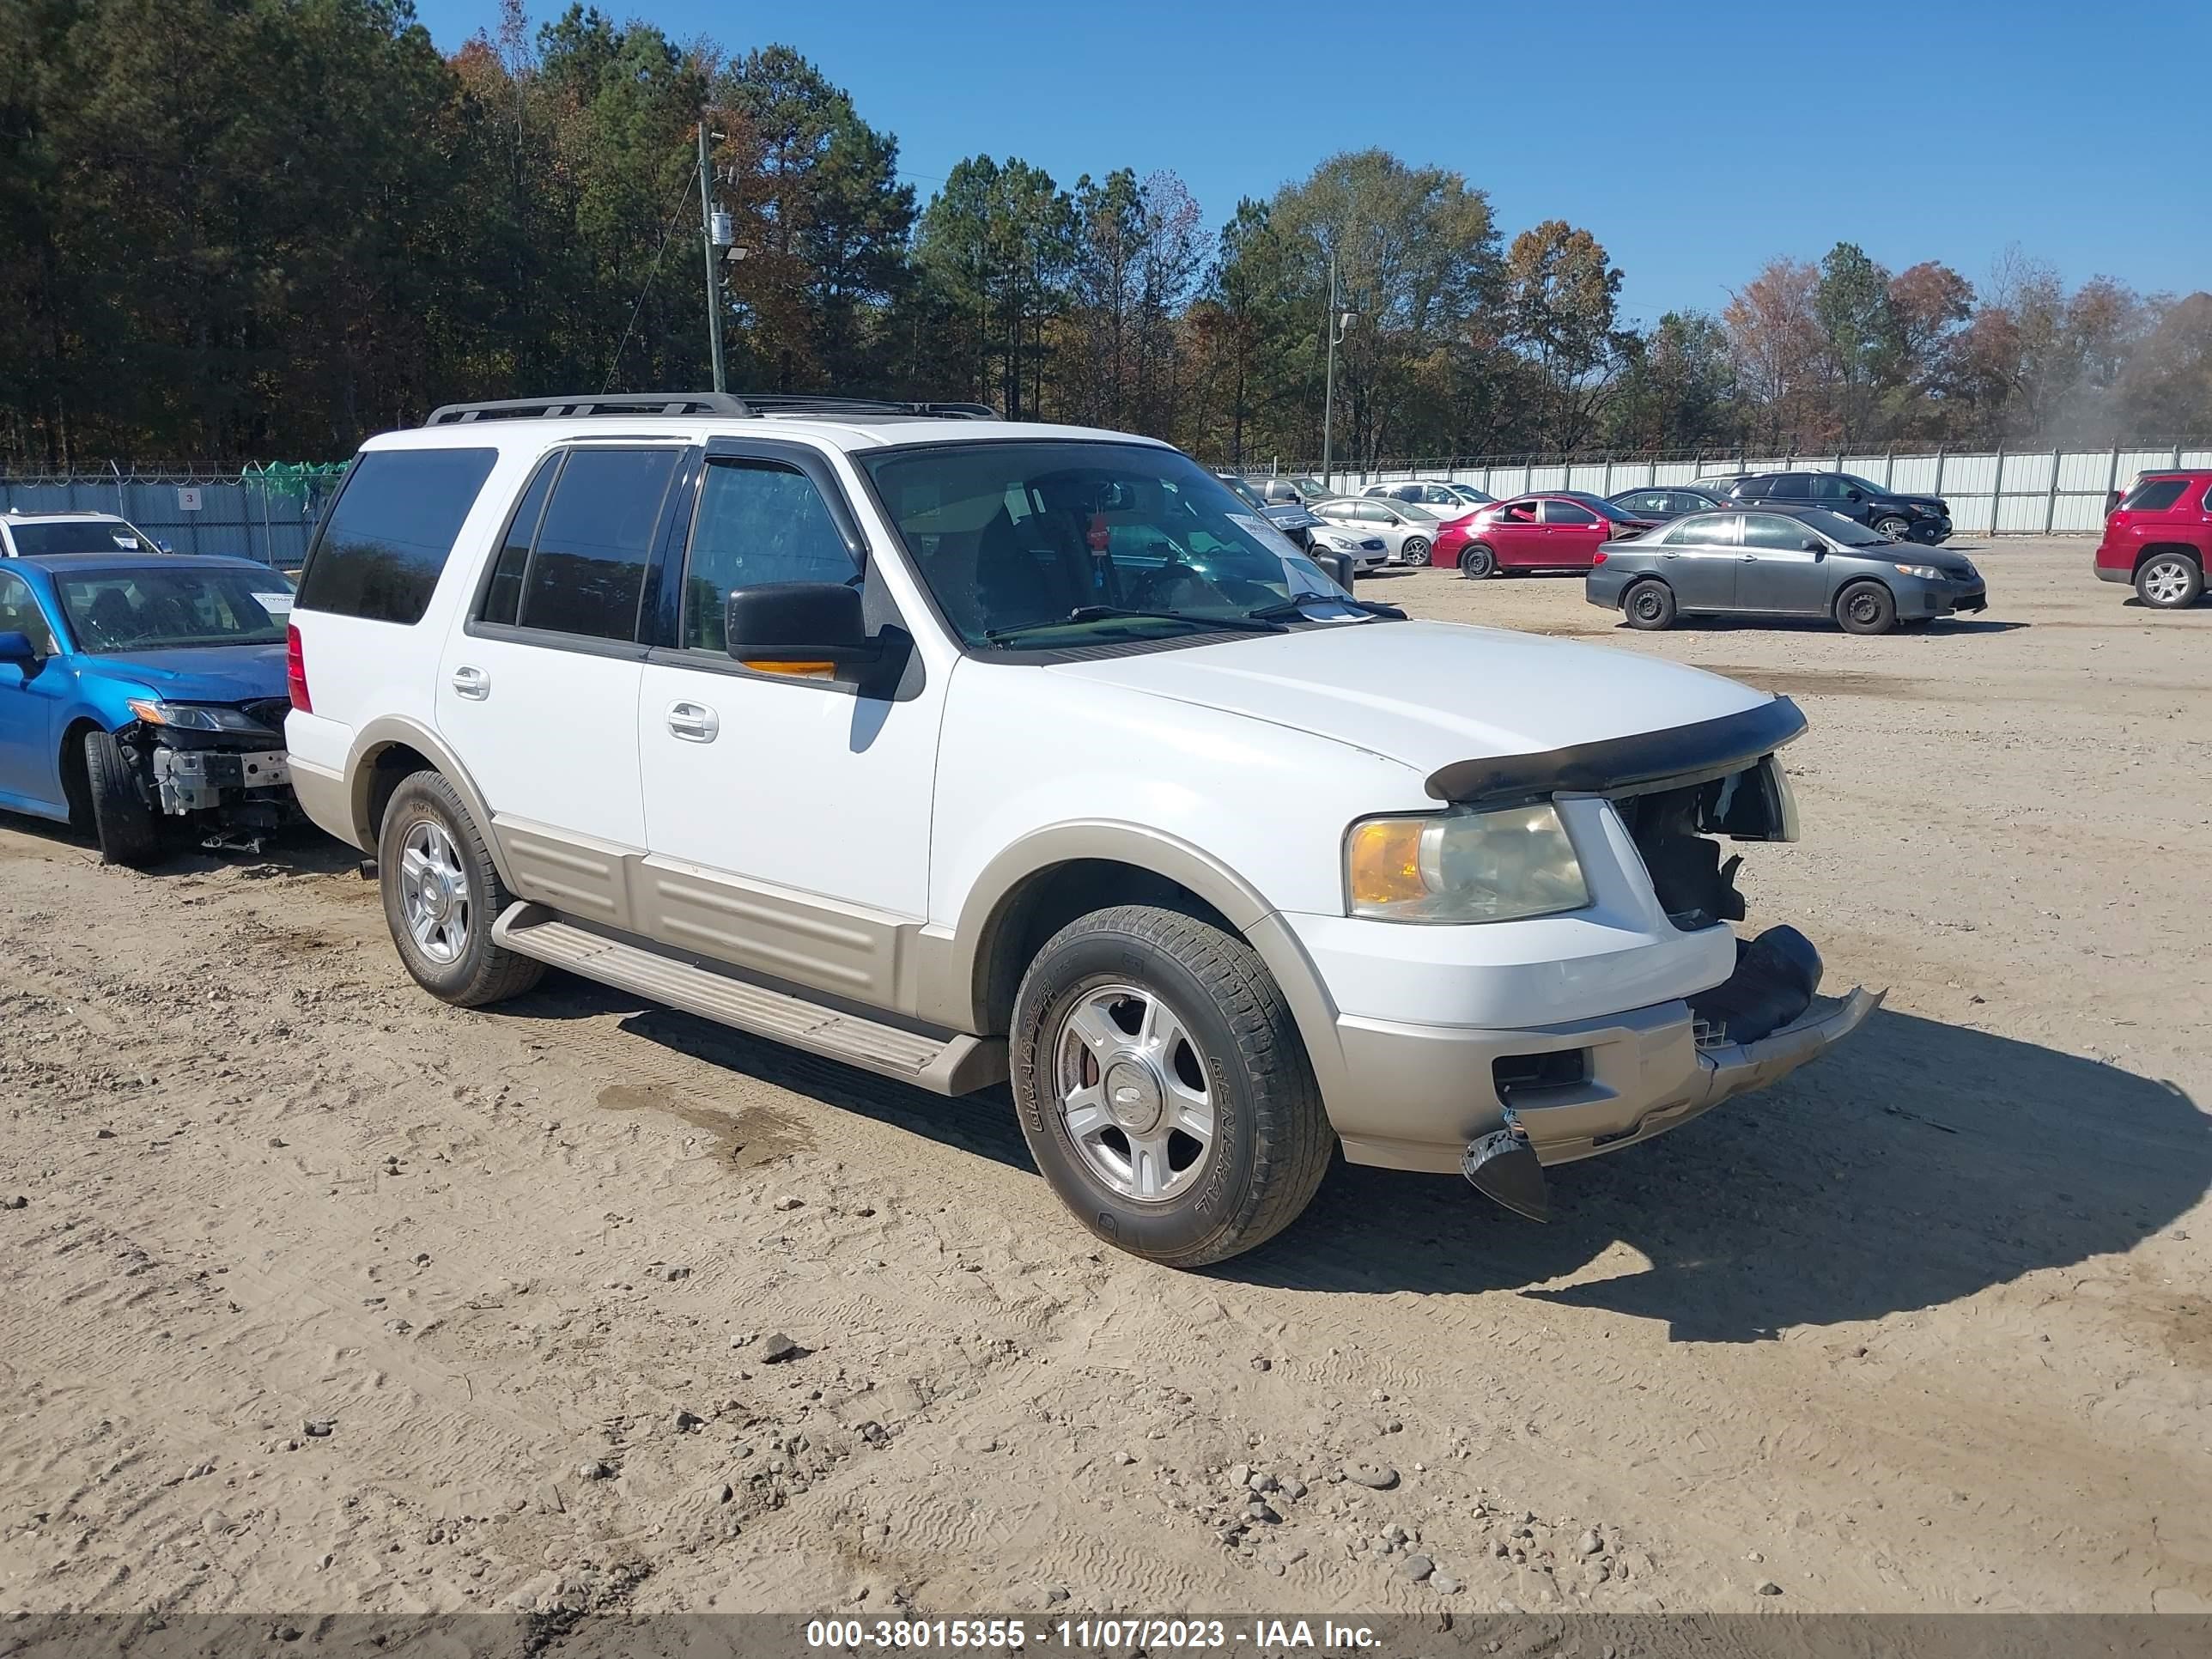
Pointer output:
1339, 323
714, 231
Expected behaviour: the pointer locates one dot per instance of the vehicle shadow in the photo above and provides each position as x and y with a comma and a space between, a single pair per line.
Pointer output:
1823, 625
1920, 1164
298, 849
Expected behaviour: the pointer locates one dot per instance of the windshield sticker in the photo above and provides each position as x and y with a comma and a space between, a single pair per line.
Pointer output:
1266, 534
276, 604
128, 544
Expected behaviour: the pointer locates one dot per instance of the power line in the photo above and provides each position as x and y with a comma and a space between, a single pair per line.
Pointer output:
614, 366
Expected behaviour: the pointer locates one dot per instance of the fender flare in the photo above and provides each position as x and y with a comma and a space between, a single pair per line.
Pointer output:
989, 902
393, 731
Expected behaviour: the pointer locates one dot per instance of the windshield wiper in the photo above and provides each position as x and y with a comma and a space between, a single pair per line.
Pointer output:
1295, 604
1087, 613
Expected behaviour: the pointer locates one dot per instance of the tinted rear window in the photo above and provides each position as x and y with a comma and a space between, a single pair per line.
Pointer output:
2155, 495
588, 569
390, 532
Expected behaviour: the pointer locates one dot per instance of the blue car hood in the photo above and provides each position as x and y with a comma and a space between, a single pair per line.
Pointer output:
212, 673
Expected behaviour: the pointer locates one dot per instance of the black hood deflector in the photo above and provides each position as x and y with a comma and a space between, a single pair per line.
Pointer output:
1707, 749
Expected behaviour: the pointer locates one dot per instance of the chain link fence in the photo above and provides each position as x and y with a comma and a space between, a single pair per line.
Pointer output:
266, 513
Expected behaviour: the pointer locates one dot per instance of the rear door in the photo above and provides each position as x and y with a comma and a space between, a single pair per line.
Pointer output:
30, 696
1572, 534
1697, 556
537, 689
1785, 568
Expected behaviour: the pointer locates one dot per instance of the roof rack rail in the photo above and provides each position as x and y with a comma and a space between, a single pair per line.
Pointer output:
749, 404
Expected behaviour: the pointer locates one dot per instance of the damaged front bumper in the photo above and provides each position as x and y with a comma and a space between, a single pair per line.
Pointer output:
227, 788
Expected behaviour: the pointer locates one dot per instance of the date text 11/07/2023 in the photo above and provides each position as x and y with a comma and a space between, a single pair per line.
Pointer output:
1257, 1637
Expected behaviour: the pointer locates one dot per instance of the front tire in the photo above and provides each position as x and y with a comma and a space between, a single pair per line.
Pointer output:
1649, 605
1478, 562
442, 893
1866, 608
2170, 582
1895, 528
124, 826
1163, 1087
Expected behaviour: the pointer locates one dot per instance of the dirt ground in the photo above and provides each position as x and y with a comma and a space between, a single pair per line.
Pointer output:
322, 1296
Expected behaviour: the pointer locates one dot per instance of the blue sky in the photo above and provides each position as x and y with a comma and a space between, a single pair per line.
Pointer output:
1695, 141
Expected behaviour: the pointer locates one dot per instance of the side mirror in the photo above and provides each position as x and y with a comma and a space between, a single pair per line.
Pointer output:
1339, 567
1810, 545
1853, 496
15, 646
789, 625
164, 547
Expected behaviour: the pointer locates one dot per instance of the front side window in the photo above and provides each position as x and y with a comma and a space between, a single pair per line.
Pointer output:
148, 610
758, 521
1769, 531
390, 532
1052, 543
587, 570
1832, 487
109, 536
19, 613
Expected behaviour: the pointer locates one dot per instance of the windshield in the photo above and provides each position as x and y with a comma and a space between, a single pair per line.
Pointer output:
1599, 505
1021, 537
1244, 492
1310, 486
163, 609
1470, 495
79, 536
1859, 483
1838, 528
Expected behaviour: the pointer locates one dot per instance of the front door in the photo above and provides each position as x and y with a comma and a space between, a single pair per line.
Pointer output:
29, 694
537, 688
787, 814
1516, 536
1784, 567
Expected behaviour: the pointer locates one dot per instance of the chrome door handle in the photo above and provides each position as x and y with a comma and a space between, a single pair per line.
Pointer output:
1750, 558
1670, 556
472, 682
693, 722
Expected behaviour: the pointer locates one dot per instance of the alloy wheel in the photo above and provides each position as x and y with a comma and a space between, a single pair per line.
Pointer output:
2166, 582
1134, 1092
434, 891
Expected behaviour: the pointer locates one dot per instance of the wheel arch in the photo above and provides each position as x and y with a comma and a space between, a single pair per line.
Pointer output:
1036, 885
2188, 550
1835, 599
388, 750
77, 781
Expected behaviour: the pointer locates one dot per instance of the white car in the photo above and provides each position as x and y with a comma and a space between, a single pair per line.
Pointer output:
963, 750
25, 533
1447, 500
1407, 530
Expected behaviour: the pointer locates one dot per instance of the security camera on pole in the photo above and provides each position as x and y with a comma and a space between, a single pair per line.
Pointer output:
1339, 323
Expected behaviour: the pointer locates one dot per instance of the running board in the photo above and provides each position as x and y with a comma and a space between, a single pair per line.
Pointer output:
948, 1066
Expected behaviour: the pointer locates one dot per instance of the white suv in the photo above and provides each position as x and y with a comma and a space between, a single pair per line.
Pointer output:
960, 750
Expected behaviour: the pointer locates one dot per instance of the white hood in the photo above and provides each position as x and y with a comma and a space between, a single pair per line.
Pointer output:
1428, 694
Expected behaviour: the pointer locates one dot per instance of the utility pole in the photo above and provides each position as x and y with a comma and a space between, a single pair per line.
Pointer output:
1338, 323
707, 239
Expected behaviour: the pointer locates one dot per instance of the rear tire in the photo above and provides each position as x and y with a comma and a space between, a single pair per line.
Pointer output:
1866, 608
128, 832
442, 895
2170, 582
1649, 605
1478, 562
1163, 1087
1416, 551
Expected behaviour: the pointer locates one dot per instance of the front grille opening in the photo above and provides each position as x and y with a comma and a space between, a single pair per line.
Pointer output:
1556, 1068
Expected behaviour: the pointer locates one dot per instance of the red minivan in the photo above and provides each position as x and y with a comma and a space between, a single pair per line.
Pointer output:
1559, 529
2159, 538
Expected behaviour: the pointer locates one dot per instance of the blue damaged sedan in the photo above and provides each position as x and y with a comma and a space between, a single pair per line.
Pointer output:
144, 694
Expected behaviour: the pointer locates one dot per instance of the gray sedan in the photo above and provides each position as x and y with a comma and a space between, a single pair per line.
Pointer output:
1810, 563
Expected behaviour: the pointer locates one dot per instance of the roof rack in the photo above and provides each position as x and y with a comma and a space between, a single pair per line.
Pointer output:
745, 405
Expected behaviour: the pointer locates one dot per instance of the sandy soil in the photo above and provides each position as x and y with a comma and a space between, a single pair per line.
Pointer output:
323, 1296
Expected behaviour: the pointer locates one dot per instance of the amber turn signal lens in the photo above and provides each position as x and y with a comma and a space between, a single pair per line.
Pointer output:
804, 669
1384, 860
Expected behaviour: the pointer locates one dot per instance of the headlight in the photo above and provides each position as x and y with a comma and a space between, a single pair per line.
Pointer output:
1337, 539
1463, 866
1927, 573
194, 716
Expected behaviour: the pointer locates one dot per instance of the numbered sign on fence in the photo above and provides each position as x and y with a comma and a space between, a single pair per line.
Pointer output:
188, 501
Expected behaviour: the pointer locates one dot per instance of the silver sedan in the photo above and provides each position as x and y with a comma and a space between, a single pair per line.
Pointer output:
1409, 531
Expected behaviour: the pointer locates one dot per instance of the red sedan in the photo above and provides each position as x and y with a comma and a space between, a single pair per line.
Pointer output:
1559, 529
